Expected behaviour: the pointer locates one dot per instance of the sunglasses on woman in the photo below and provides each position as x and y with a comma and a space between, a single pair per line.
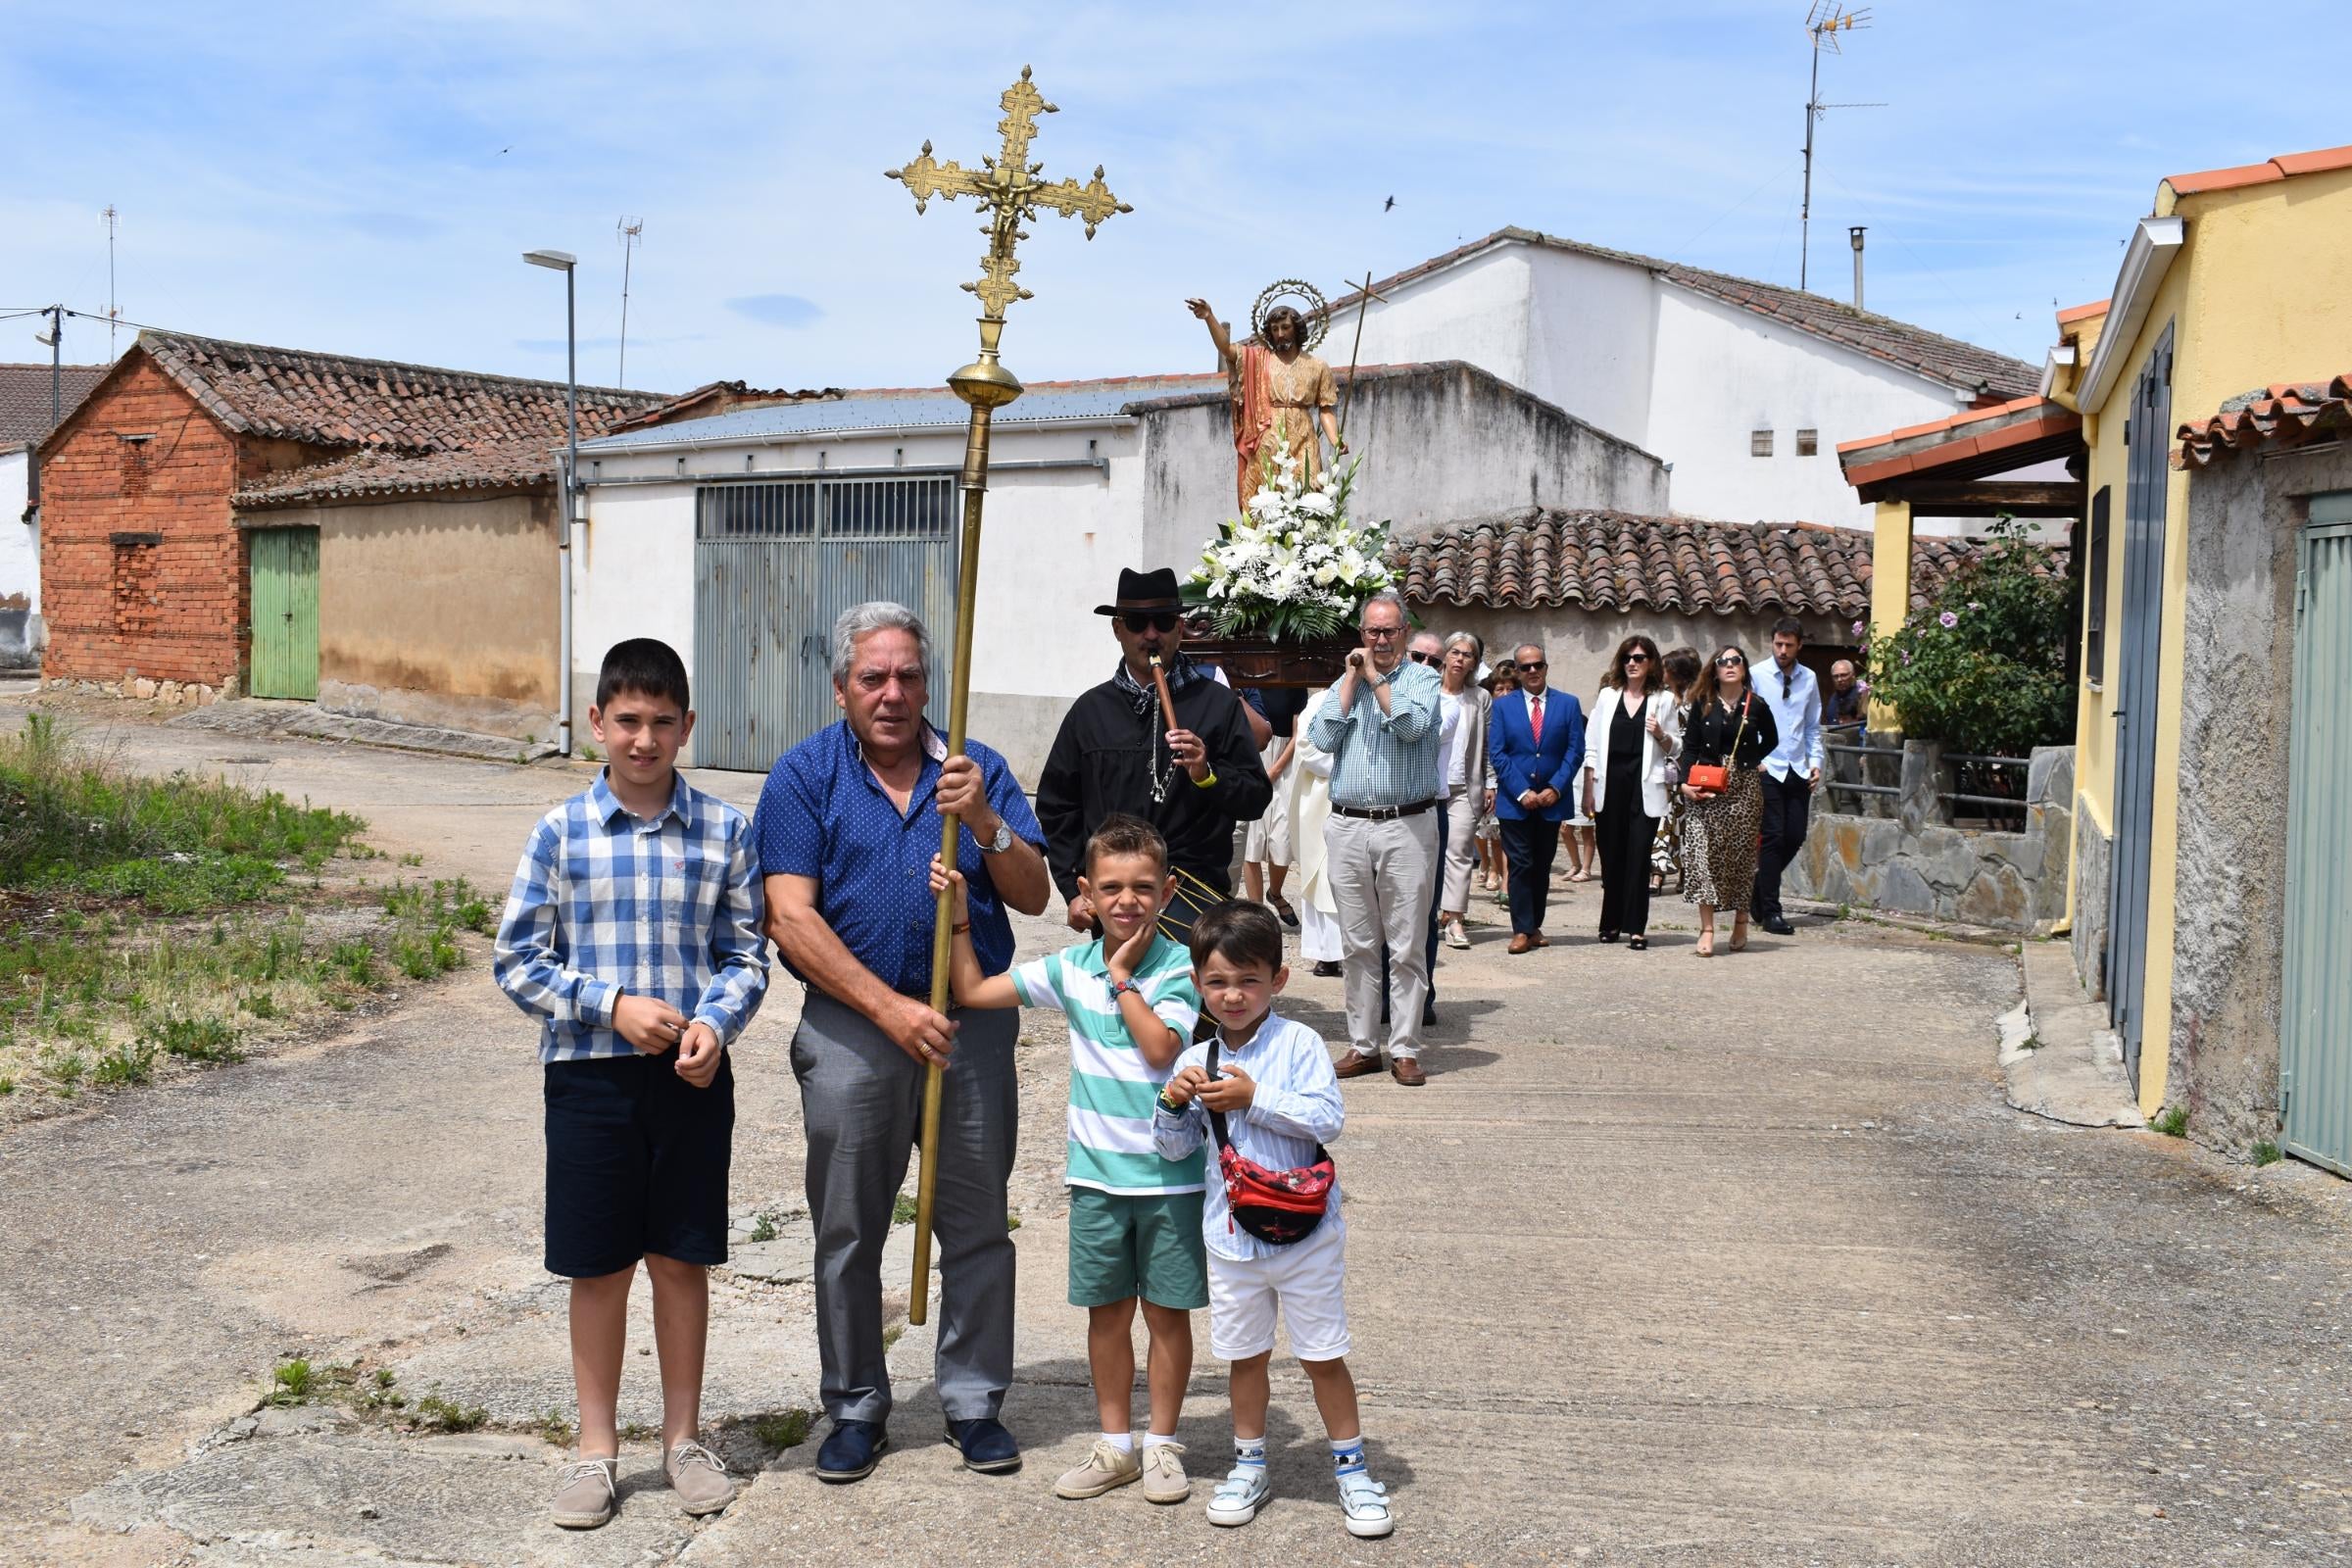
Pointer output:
1419, 658
1636, 659
1731, 662
1138, 624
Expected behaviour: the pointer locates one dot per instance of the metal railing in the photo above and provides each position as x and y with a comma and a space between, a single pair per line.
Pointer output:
1990, 772
1837, 748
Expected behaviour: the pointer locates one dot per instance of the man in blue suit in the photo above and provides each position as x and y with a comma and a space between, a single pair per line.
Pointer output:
1535, 737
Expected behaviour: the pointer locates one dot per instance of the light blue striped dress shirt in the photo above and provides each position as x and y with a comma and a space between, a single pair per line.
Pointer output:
1297, 1106
1391, 759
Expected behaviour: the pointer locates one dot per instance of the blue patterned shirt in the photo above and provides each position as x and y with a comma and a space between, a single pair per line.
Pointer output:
1297, 1106
1390, 758
823, 815
605, 903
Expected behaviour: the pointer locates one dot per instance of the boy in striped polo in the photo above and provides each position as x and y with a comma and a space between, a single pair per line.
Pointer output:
1135, 1217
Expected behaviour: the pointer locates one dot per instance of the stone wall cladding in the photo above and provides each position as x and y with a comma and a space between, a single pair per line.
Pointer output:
1913, 862
2095, 858
2237, 727
167, 610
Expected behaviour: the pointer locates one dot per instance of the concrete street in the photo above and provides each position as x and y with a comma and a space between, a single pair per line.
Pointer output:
1742, 1261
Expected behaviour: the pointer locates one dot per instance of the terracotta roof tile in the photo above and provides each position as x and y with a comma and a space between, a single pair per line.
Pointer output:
24, 399
1938, 357
2283, 166
418, 426
1614, 560
2082, 312
2284, 414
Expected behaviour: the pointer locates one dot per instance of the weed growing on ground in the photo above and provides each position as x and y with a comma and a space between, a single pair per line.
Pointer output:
901, 1210
8, 1086
764, 1227
636, 1432
782, 1429
292, 1383
412, 859
2267, 1152
191, 1038
890, 1336
444, 1415
556, 1427
119, 1065
2174, 1123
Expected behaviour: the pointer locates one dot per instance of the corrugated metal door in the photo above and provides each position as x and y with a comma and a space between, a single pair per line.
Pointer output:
285, 611
2315, 1015
2146, 490
774, 565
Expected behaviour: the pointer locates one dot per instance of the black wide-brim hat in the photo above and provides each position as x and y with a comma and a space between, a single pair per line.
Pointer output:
1144, 593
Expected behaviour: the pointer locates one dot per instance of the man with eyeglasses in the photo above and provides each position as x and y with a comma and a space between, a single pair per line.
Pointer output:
1791, 772
1116, 753
1381, 726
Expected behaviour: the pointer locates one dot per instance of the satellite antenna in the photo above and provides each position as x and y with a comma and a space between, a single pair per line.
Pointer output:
631, 232
112, 311
1823, 24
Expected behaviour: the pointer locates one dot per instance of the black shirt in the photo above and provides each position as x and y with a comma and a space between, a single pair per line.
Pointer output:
1104, 760
1711, 729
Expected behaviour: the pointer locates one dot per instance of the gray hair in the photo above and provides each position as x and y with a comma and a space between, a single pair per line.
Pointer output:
1387, 596
1477, 646
863, 620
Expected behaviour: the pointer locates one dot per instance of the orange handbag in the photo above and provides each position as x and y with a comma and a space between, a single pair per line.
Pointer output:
1718, 776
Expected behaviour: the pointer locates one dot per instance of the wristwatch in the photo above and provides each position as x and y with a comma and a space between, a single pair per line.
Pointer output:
1002, 842
1119, 988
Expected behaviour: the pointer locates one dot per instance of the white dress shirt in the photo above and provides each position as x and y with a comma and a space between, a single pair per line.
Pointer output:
1797, 715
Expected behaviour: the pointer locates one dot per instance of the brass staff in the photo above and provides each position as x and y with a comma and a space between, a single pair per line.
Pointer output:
1008, 188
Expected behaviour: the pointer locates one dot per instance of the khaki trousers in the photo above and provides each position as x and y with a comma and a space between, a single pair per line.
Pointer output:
1383, 874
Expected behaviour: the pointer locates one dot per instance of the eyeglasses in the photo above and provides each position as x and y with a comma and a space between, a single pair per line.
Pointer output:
1141, 623
1384, 631
1731, 662
1420, 657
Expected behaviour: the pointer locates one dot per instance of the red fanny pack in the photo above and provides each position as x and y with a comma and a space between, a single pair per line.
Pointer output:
1280, 1207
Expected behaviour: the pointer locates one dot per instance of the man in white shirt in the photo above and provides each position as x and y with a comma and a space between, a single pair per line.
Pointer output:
1791, 772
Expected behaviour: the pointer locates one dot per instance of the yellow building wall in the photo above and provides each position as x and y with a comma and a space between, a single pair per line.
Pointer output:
2261, 292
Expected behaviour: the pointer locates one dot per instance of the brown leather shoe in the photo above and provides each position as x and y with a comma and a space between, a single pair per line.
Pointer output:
1543, 941
1521, 941
1407, 1071
1356, 1064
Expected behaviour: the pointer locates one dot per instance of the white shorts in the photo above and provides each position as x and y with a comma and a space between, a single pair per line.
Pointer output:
1307, 1283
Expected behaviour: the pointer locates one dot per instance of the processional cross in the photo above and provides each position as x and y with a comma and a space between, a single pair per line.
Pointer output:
1009, 187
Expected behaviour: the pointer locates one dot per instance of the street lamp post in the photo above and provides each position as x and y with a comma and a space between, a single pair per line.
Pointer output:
567, 264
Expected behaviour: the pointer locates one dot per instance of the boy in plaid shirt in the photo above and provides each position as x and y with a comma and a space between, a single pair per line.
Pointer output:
633, 935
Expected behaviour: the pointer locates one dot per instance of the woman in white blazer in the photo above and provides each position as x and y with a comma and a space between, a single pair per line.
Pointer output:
1630, 735
1466, 774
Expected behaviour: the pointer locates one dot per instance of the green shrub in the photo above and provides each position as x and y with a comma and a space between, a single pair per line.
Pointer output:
1983, 668
193, 1039
2267, 1152
119, 1065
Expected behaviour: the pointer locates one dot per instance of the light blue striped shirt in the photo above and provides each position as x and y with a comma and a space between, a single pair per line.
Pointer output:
605, 904
1297, 1106
1391, 759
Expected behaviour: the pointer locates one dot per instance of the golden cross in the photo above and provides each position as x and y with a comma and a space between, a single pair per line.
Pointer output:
1007, 183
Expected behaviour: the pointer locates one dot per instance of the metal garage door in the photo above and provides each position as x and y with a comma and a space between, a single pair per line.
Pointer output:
2137, 654
774, 565
2315, 1015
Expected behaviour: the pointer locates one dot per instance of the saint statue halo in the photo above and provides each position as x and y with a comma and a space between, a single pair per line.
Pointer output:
1313, 321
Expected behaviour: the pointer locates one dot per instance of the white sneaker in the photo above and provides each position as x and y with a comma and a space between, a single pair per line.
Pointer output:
1455, 936
1365, 1502
1240, 1495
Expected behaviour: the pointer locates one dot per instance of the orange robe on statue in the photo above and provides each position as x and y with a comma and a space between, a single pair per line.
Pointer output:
1276, 404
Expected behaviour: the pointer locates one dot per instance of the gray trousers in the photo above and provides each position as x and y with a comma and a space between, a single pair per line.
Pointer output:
1383, 875
861, 1102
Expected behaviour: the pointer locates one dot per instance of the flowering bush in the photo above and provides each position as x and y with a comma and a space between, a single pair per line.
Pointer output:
1293, 568
1983, 668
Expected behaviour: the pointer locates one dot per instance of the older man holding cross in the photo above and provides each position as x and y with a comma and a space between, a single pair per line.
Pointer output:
1379, 725
847, 829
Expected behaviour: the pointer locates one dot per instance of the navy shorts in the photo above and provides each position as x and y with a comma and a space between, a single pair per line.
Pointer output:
636, 1164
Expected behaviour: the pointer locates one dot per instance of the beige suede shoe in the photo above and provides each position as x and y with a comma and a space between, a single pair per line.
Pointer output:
701, 1482
585, 1492
1164, 1479
1104, 1468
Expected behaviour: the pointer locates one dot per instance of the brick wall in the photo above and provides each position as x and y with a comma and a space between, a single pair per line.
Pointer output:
142, 571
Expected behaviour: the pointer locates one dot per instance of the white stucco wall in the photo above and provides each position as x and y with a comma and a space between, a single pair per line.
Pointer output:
1723, 372
1591, 330
19, 566
1476, 311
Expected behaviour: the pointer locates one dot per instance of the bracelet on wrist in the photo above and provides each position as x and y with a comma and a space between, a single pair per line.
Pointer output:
963, 928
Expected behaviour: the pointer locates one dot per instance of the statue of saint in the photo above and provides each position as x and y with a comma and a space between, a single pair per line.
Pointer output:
1279, 390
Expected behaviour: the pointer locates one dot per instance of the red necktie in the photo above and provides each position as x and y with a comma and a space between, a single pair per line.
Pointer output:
1535, 717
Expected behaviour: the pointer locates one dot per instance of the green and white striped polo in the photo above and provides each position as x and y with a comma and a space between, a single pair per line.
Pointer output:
1111, 1087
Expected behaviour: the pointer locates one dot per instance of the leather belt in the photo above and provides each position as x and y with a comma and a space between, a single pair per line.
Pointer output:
1383, 814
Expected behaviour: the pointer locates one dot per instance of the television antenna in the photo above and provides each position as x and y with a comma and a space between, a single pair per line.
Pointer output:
1823, 24
631, 233
114, 312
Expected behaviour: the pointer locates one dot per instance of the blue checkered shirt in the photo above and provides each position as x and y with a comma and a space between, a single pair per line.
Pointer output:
605, 903
1387, 759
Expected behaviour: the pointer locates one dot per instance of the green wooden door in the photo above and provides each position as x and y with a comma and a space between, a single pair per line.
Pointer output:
2315, 1014
285, 611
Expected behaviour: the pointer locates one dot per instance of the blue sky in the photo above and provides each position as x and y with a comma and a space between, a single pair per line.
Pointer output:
363, 178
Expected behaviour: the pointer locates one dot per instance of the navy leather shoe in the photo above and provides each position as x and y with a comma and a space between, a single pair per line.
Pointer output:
986, 1447
849, 1454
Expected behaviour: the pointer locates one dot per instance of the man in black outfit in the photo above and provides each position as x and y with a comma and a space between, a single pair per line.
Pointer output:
1115, 753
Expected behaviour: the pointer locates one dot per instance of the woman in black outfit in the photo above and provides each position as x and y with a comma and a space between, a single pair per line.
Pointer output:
1629, 737
1727, 729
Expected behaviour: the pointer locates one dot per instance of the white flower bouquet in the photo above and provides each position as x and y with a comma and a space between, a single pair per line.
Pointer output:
1293, 568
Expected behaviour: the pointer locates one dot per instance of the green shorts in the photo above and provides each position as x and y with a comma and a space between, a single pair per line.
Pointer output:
1147, 1246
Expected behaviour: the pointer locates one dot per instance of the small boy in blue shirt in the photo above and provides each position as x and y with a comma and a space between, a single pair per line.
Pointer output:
633, 935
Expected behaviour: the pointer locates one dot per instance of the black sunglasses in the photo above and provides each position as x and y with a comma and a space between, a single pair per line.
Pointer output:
1140, 624
1636, 658
1731, 662
1420, 657
1532, 664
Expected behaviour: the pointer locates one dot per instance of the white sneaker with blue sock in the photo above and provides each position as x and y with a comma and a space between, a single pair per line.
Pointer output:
1244, 1489
1363, 1501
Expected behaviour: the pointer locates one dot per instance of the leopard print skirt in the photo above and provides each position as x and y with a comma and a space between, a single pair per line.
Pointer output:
1719, 843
